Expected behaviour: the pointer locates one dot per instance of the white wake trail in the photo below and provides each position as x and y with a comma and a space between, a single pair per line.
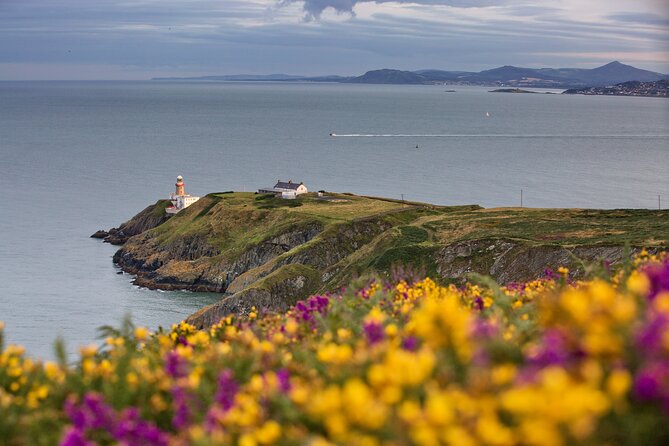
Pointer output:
491, 135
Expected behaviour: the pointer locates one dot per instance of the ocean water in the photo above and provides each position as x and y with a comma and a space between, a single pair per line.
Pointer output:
79, 156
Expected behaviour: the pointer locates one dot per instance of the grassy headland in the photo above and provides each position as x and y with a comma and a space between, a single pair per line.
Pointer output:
263, 249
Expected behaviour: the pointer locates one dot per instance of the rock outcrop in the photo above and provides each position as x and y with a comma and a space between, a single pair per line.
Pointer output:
151, 217
511, 261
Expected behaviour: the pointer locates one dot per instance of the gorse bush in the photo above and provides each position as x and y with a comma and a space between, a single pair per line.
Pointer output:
550, 362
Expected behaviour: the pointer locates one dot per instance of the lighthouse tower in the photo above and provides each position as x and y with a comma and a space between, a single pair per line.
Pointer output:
180, 199
180, 186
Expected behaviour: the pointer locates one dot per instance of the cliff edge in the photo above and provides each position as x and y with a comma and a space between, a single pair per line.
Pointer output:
262, 251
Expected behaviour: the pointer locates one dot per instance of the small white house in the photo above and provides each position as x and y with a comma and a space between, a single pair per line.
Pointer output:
285, 189
180, 199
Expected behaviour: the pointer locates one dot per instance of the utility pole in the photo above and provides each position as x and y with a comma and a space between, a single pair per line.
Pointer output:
659, 202
521, 198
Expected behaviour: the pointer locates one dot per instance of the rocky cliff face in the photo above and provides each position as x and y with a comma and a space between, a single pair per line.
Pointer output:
510, 261
193, 263
151, 217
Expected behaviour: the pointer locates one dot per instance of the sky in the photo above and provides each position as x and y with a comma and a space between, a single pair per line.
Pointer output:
140, 39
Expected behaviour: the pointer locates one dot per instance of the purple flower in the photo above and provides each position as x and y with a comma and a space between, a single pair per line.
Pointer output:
554, 349
659, 279
95, 414
75, 437
485, 329
313, 305
549, 274
133, 431
283, 376
410, 344
181, 409
649, 338
227, 389
647, 385
374, 332
175, 366
478, 303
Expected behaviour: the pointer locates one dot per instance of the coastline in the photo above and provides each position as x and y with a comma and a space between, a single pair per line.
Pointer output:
288, 249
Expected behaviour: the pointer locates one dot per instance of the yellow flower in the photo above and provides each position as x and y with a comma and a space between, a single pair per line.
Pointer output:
141, 333
88, 351
268, 433
618, 383
638, 283
334, 353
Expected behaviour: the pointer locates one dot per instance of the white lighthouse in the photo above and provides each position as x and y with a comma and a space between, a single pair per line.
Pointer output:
180, 199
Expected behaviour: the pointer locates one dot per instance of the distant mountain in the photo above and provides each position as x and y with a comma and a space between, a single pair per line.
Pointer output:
615, 73
510, 76
656, 89
387, 76
506, 76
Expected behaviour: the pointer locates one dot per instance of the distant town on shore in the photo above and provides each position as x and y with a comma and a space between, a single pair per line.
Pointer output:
611, 74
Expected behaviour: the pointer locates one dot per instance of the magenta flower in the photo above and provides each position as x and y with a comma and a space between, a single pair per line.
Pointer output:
649, 337
410, 343
554, 349
181, 415
313, 305
283, 376
659, 278
94, 414
175, 365
227, 389
75, 437
374, 332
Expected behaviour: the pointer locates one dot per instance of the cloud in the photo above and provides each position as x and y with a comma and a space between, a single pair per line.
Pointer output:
314, 8
641, 18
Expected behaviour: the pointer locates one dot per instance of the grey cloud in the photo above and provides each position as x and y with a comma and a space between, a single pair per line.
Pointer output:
314, 8
640, 18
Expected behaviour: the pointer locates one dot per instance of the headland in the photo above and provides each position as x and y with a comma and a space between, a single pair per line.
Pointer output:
264, 251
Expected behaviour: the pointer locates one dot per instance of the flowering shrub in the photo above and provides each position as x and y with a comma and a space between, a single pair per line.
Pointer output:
550, 362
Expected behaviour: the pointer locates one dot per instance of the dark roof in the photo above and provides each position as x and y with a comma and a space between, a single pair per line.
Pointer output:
287, 185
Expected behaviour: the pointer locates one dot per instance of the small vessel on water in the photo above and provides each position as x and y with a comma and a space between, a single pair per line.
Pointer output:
332, 134
487, 114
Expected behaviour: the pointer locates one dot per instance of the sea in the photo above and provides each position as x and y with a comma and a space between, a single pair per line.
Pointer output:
76, 157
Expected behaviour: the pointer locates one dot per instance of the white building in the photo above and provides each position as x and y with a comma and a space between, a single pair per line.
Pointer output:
285, 189
180, 199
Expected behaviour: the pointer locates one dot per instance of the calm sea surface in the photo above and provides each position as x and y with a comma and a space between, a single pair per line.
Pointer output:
79, 156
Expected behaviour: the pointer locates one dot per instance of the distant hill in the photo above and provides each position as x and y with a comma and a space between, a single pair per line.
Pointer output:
387, 76
506, 76
609, 74
657, 89
616, 72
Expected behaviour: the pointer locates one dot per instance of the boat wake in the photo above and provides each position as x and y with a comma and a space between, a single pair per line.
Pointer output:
491, 135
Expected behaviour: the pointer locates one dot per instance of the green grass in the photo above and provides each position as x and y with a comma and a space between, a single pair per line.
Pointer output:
417, 257
410, 235
273, 202
159, 208
564, 227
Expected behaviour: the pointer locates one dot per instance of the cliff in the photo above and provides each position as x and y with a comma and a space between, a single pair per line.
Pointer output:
152, 216
265, 252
